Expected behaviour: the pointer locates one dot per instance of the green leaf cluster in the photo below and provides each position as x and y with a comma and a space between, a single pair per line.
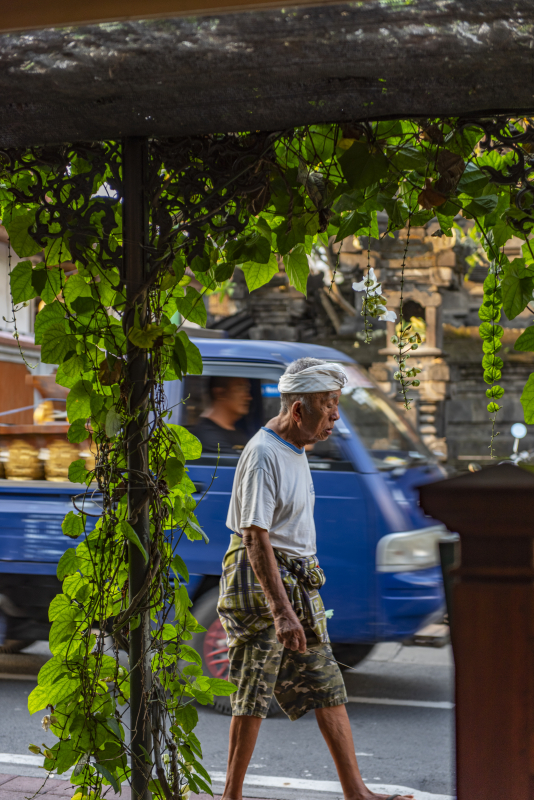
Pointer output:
490, 313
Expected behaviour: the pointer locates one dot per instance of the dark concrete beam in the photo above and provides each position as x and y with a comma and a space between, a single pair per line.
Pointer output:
267, 69
29, 15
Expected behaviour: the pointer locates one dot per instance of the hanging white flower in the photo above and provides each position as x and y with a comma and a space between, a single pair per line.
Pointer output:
45, 723
386, 315
369, 284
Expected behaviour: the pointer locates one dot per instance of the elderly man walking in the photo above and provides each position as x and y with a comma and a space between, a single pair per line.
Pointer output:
269, 602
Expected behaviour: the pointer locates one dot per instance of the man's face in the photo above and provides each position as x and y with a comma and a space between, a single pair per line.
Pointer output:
317, 425
236, 397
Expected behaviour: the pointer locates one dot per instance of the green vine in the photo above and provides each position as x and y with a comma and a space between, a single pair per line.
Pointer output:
491, 333
405, 340
216, 204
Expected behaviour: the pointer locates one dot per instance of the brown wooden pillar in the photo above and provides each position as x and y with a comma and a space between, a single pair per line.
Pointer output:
493, 631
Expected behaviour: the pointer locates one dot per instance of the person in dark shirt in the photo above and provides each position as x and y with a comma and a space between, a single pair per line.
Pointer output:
230, 401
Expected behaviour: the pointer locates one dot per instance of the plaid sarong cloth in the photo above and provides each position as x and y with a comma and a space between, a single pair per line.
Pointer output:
243, 608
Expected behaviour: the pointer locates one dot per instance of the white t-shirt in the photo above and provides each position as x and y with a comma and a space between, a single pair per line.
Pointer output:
273, 489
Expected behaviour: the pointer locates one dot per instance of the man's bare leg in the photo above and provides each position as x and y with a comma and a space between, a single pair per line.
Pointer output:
243, 734
335, 726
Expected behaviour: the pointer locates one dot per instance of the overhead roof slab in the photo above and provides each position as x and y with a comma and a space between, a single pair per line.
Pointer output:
268, 69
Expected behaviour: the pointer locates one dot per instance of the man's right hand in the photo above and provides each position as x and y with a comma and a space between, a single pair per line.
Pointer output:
260, 551
289, 630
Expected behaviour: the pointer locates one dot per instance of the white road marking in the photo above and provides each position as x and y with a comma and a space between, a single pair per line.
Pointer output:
267, 781
15, 758
386, 701
283, 783
34, 761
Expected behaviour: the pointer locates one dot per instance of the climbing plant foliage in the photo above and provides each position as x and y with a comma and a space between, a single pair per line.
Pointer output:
217, 203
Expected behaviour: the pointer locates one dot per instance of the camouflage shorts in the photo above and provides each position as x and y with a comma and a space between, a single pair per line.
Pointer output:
262, 667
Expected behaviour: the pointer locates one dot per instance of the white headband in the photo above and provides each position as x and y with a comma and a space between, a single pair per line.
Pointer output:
319, 378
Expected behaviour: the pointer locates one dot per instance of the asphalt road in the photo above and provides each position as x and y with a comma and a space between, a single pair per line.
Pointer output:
399, 744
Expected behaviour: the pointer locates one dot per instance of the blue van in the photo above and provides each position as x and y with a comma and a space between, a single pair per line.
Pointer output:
378, 549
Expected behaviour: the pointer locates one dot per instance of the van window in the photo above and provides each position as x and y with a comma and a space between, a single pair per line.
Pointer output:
225, 407
386, 435
223, 411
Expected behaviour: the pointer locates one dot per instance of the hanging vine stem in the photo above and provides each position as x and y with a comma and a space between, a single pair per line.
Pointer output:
367, 326
373, 302
405, 340
336, 267
16, 334
492, 334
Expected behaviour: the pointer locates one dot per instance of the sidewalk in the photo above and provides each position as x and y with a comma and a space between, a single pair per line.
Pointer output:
13, 787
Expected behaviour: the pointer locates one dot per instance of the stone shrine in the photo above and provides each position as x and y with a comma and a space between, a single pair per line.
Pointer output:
442, 293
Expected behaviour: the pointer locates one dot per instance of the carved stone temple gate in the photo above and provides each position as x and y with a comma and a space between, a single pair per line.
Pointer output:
271, 70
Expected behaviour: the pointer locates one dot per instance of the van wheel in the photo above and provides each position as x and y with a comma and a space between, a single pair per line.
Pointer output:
212, 647
351, 654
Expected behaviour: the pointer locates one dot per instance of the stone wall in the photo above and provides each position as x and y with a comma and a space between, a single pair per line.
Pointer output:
465, 418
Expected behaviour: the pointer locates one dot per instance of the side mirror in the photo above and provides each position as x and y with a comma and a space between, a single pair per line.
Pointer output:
518, 431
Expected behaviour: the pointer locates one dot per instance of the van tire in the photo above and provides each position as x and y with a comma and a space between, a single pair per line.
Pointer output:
350, 655
205, 611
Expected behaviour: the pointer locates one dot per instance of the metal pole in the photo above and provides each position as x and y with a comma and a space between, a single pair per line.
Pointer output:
135, 238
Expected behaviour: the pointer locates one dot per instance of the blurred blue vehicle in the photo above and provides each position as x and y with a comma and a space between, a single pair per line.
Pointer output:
378, 549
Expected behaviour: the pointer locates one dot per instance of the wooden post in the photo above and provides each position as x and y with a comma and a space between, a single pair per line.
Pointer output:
493, 630
135, 238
